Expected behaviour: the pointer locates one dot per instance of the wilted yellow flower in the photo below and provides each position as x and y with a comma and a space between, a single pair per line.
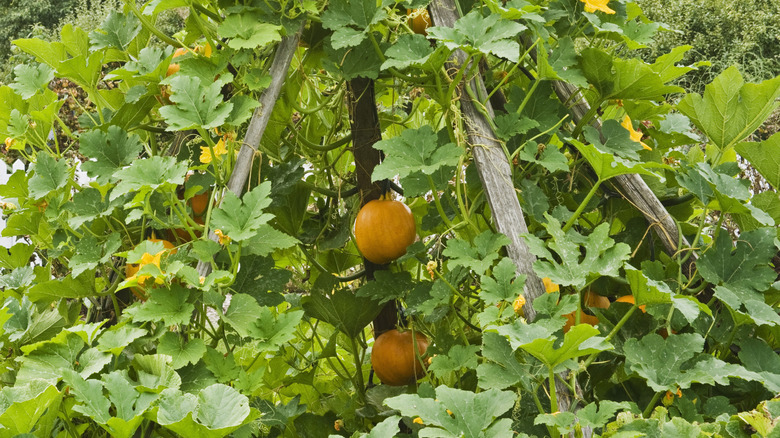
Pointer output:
431, 266
219, 150
549, 286
202, 280
597, 5
338, 425
519, 303
223, 239
635, 135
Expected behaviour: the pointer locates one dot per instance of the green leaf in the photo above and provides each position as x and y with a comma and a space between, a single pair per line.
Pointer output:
647, 291
182, 352
550, 158
598, 416
31, 78
16, 256
220, 407
273, 329
492, 34
479, 257
387, 286
562, 63
223, 366
617, 140
473, 415
89, 395
505, 287
247, 30
240, 219
615, 78
730, 110
350, 20
216, 411
765, 157
242, 314
342, 309
458, 357
92, 361
111, 151
745, 265
606, 165
149, 174
353, 62
602, 256
115, 339
117, 31
580, 340
759, 357
501, 369
23, 405
672, 362
196, 105
267, 240
89, 253
50, 175
168, 305
415, 150
155, 373
68, 287
408, 51
25, 323
259, 278
89, 205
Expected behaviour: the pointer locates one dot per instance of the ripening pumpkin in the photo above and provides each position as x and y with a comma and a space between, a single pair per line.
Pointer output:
420, 21
393, 357
200, 203
384, 228
630, 300
592, 299
584, 319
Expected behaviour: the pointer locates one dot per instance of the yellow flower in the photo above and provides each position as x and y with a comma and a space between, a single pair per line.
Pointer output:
597, 5
549, 286
223, 239
338, 425
519, 303
635, 135
147, 259
219, 150
418, 420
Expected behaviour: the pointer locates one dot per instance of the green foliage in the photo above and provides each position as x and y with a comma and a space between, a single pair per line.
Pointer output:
169, 295
722, 32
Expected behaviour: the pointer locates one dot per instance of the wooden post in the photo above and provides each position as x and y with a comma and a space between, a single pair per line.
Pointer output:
496, 176
364, 122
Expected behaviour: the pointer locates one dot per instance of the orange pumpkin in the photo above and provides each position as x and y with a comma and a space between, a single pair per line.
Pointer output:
420, 21
592, 299
200, 203
630, 300
393, 357
584, 319
384, 229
